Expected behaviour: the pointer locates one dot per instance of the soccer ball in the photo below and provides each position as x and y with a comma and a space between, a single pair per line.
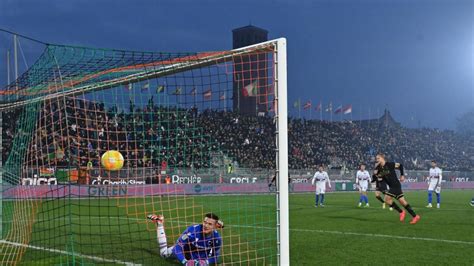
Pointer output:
112, 160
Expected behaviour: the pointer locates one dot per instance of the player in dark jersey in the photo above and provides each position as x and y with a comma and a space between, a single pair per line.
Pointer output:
386, 171
380, 188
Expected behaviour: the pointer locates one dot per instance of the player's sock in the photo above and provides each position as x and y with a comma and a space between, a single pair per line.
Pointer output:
430, 196
162, 243
361, 198
322, 199
438, 197
395, 206
366, 199
380, 199
317, 199
410, 210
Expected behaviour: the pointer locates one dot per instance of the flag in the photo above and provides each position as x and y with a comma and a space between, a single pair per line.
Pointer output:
296, 104
250, 90
128, 86
146, 86
338, 109
307, 105
318, 108
222, 97
177, 91
193, 91
347, 109
329, 108
207, 94
160, 89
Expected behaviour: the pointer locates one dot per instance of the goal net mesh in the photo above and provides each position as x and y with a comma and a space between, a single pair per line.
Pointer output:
197, 135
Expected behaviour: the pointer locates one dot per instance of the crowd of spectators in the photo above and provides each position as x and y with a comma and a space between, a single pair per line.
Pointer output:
76, 132
347, 144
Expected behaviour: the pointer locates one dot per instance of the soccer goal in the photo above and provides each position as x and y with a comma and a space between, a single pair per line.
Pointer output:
101, 147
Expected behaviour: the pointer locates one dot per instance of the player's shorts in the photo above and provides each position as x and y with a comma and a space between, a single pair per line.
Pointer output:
320, 189
433, 185
395, 192
381, 186
363, 187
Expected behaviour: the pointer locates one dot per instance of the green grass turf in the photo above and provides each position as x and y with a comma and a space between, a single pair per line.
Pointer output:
107, 228
323, 235
338, 234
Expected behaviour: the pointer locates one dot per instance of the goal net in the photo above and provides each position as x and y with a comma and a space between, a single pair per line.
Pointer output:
198, 133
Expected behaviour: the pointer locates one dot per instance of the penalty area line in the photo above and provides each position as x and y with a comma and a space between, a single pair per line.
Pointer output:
353, 234
52, 250
291, 230
383, 236
330, 232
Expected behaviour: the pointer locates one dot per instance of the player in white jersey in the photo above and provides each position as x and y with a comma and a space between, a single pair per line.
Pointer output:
320, 179
362, 181
434, 184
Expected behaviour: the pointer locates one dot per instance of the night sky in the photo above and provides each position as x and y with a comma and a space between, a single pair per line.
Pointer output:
414, 57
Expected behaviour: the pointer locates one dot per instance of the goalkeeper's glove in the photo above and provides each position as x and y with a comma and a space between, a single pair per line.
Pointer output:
195, 262
220, 224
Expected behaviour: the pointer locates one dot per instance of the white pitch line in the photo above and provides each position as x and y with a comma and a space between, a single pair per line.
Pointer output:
304, 230
384, 236
353, 234
68, 253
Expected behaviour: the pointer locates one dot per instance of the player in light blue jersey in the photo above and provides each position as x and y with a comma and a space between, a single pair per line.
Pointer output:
198, 245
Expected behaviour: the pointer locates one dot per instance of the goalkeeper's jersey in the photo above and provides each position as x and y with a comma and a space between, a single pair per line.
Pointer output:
194, 245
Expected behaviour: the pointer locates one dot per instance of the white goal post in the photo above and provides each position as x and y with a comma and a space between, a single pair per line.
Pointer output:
282, 152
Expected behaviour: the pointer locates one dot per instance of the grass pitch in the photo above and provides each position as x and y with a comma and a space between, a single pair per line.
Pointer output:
111, 231
341, 233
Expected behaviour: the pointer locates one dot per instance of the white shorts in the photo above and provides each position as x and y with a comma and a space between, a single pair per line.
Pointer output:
320, 190
363, 187
433, 185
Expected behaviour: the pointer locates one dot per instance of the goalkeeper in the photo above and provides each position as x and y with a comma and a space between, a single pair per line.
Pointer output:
199, 245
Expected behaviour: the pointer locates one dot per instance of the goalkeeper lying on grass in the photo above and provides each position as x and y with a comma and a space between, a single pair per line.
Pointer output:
199, 244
